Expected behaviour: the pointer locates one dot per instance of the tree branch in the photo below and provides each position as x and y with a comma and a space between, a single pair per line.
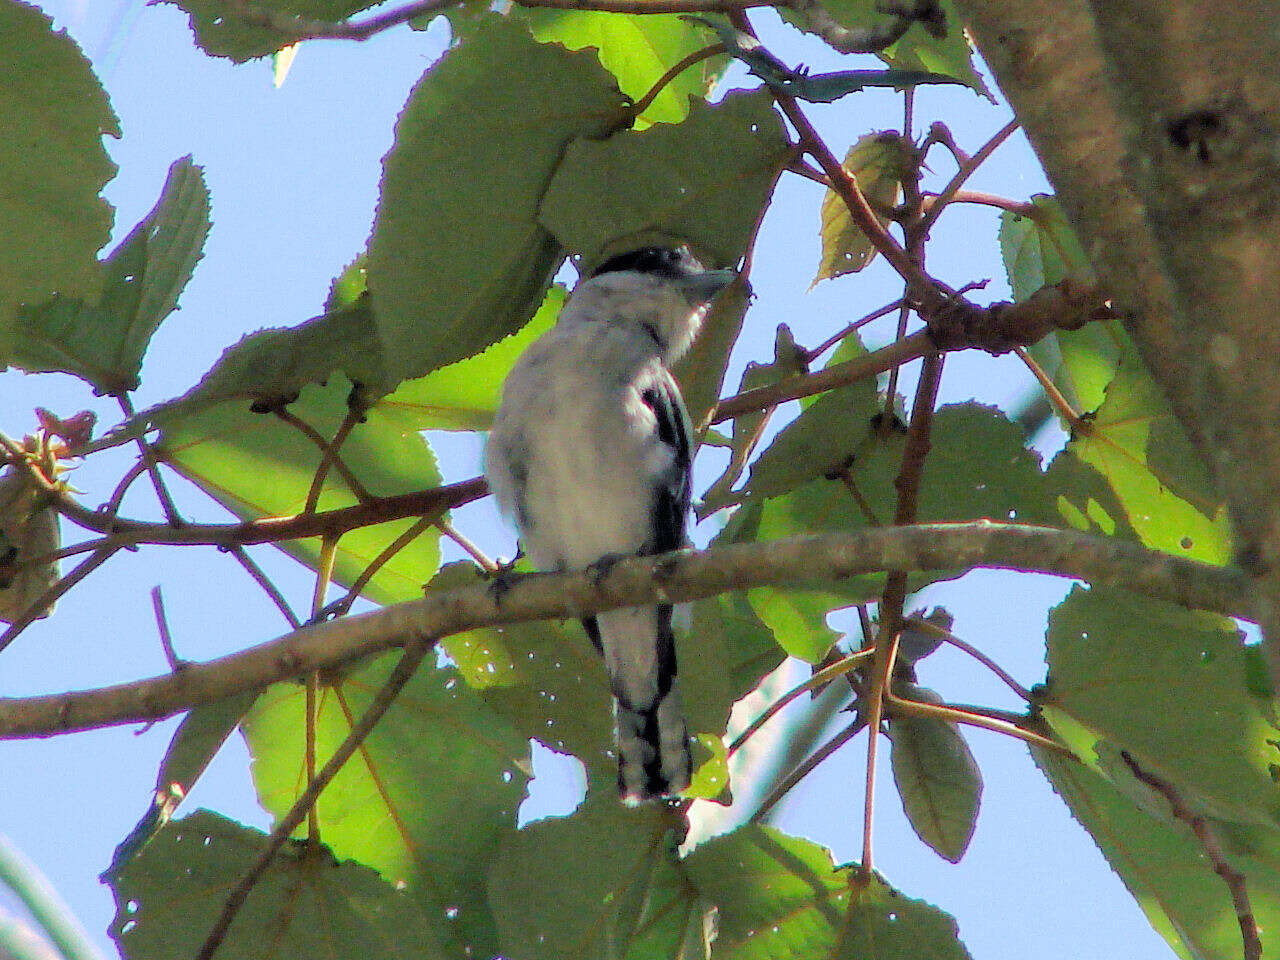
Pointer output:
671, 578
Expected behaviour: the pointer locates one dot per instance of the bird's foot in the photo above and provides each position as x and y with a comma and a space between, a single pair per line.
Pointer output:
599, 570
503, 579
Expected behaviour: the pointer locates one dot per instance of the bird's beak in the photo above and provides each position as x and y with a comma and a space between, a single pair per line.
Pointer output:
703, 287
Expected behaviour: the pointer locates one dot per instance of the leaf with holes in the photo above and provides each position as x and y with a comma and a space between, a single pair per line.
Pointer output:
306, 904
879, 162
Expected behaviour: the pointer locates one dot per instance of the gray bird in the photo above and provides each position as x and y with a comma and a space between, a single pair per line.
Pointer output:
590, 455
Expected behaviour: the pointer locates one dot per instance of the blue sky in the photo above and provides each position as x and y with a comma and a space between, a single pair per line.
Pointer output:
293, 174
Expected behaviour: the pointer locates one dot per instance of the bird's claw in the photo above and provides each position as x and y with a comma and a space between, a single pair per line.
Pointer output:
503, 579
599, 570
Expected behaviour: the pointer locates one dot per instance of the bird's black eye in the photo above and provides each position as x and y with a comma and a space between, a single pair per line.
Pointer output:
657, 261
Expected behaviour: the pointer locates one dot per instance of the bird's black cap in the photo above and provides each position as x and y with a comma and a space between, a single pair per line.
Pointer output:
672, 263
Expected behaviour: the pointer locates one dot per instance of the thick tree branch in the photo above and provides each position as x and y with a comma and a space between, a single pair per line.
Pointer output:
1158, 132
675, 578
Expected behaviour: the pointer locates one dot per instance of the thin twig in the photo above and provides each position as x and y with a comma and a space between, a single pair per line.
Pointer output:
112, 506
1056, 397
831, 341
162, 624
171, 514
924, 626
49, 597
953, 714
891, 389
328, 457
967, 168
1021, 207
1203, 832
820, 677
262, 580
340, 606
415, 650
314, 435
468, 547
804, 769
706, 53
886, 655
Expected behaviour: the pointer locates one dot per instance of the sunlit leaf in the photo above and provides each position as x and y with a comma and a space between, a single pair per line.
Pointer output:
306, 904
427, 800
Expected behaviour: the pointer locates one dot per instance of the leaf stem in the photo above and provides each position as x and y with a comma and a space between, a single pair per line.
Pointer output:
706, 53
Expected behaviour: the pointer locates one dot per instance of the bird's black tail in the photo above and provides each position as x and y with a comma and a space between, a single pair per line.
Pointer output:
652, 742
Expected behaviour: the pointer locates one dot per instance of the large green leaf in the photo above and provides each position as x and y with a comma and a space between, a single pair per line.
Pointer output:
781, 898
1141, 451
637, 50
222, 28
701, 371
458, 259
258, 466
603, 882
104, 342
1174, 688
704, 181
1165, 868
879, 162
306, 904
428, 799
937, 778
53, 115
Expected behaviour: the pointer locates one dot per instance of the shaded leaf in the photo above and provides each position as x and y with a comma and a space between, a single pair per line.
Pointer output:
627, 190
28, 530
603, 882
258, 466
1172, 687
781, 898
427, 800
637, 50
879, 162
1164, 867
701, 370
306, 904
937, 777
53, 115
458, 259
222, 28
104, 342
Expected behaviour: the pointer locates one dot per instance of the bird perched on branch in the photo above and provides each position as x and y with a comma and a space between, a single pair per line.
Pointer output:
590, 455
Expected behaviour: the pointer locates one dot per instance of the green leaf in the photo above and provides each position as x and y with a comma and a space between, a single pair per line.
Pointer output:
1164, 866
716, 171
465, 395
458, 259
879, 162
53, 115
1039, 250
104, 342
1171, 687
637, 50
306, 904
428, 799
701, 370
781, 898
937, 778
258, 466
1137, 445
222, 28
949, 55
603, 882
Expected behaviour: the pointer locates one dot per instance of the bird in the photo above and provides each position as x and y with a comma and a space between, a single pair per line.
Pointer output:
590, 455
